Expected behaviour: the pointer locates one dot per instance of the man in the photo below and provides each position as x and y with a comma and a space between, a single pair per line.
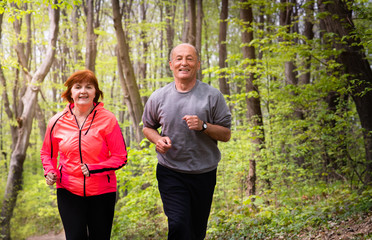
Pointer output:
193, 116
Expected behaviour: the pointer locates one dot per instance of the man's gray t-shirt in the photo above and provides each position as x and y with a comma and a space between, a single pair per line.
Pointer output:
192, 151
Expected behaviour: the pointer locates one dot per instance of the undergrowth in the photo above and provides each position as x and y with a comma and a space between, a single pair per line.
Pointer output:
288, 216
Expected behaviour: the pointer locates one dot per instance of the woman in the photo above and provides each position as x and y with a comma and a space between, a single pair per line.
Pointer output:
91, 147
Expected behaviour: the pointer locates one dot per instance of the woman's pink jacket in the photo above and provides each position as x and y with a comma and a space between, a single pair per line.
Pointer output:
99, 144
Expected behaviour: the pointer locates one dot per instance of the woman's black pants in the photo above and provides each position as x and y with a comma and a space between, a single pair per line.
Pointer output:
187, 200
86, 218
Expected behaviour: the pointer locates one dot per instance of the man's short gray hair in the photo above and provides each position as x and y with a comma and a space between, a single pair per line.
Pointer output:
188, 44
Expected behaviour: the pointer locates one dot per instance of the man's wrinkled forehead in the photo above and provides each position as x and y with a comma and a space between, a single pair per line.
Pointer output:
184, 49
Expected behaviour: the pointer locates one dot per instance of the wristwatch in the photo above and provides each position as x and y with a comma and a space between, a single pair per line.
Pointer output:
204, 126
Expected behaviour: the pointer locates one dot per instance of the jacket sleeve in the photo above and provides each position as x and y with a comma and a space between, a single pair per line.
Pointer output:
118, 153
49, 151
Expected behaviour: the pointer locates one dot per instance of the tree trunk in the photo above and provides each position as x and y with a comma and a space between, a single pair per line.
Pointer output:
191, 38
199, 30
14, 180
129, 84
304, 78
339, 22
224, 86
75, 35
145, 45
207, 54
254, 113
91, 44
186, 23
170, 9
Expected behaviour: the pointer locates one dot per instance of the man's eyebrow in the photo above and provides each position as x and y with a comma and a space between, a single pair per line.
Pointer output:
190, 55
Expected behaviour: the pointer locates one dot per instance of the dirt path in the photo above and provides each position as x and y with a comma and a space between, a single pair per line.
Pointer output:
358, 227
49, 236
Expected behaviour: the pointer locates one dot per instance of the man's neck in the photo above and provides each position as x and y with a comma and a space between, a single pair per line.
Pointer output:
184, 85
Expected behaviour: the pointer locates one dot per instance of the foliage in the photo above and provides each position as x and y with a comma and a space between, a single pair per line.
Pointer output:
139, 210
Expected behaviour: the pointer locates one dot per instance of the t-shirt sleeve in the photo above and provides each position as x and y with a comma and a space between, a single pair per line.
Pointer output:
221, 112
150, 115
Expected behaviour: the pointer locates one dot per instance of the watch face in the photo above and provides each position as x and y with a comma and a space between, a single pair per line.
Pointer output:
204, 125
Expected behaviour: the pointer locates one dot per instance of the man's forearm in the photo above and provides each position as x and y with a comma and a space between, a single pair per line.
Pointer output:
151, 134
218, 132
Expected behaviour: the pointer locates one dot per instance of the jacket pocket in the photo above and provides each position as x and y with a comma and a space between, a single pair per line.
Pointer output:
108, 178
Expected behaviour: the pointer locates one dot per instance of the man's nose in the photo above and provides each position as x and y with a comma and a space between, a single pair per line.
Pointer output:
184, 61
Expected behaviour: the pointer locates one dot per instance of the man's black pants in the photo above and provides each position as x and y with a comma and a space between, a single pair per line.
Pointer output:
86, 217
187, 200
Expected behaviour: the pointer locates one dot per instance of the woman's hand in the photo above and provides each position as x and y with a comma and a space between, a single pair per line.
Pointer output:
51, 178
85, 170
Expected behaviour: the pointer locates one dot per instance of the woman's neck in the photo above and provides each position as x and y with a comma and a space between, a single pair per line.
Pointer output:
82, 111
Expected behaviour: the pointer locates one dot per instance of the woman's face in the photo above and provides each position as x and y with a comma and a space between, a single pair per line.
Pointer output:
83, 93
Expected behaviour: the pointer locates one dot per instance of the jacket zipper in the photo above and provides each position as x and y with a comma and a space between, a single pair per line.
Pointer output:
81, 159
81, 155
80, 129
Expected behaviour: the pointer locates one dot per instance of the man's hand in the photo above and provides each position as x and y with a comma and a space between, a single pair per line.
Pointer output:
51, 178
193, 122
163, 144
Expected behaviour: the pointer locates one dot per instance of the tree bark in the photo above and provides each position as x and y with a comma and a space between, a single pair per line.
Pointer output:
339, 22
191, 38
186, 23
91, 42
304, 78
199, 31
254, 113
145, 45
75, 35
223, 84
170, 9
132, 95
29, 99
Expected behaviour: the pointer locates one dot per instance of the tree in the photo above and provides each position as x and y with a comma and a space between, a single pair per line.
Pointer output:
199, 31
170, 9
254, 114
338, 21
92, 23
224, 85
126, 73
29, 100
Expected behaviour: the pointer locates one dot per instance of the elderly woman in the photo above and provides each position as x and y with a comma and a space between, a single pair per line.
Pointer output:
91, 147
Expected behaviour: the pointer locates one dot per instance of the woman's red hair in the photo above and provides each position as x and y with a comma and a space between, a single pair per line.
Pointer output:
79, 77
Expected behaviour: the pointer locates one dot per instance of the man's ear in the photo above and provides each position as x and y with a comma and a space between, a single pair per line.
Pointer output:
170, 65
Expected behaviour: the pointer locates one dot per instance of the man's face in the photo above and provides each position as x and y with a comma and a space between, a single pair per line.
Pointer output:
184, 63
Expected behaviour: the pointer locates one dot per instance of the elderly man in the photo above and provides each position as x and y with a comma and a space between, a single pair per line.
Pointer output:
193, 117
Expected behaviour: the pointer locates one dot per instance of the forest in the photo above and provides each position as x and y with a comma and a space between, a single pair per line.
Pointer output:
296, 75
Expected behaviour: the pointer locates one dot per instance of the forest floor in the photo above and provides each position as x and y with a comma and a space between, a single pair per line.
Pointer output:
356, 227
49, 236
